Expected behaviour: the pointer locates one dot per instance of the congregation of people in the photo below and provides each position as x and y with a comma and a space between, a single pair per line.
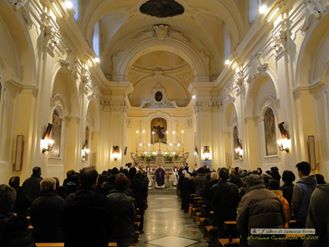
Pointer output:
257, 199
92, 209
89, 209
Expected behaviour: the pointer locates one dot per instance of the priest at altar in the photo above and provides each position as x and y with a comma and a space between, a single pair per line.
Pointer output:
160, 175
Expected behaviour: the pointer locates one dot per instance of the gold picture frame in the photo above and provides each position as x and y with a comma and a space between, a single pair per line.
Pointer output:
311, 152
19, 153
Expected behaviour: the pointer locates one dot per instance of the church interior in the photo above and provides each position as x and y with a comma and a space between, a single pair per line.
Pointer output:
164, 83
239, 83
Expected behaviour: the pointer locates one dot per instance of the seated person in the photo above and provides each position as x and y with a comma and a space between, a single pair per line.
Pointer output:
46, 213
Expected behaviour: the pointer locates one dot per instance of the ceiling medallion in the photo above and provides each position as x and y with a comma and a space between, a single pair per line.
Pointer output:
162, 8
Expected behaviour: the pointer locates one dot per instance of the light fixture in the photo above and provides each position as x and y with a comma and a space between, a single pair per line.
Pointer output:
193, 96
206, 153
68, 4
227, 62
116, 153
262, 9
97, 60
239, 151
284, 143
182, 131
137, 132
144, 131
85, 151
46, 143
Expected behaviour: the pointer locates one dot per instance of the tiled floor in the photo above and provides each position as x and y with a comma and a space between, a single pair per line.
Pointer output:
168, 226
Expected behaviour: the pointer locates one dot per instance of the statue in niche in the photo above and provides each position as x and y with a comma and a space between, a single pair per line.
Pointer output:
159, 128
56, 134
270, 133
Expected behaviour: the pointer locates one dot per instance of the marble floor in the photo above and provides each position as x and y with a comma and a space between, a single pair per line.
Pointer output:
167, 225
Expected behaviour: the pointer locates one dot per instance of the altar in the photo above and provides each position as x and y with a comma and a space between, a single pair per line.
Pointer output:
153, 160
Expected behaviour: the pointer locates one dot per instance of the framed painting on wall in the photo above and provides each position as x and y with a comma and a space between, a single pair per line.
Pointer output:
311, 152
19, 153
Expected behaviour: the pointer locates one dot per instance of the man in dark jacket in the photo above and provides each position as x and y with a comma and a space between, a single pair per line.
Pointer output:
21, 202
31, 186
318, 217
225, 199
123, 212
13, 229
139, 185
302, 193
259, 208
46, 213
87, 218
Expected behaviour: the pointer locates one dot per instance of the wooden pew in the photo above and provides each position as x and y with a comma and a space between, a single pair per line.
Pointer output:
111, 244
224, 242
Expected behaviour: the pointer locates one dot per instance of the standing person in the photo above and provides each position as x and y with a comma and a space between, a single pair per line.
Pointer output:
302, 193
288, 177
87, 218
318, 217
259, 208
13, 229
31, 186
21, 203
224, 199
139, 184
46, 213
123, 212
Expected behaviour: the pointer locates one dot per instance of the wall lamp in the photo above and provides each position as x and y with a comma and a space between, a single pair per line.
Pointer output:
46, 143
239, 150
206, 153
116, 153
284, 143
85, 151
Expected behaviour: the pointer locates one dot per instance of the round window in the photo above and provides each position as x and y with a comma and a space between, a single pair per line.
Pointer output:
158, 96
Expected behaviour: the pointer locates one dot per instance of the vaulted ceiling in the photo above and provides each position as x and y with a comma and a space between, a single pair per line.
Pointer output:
196, 37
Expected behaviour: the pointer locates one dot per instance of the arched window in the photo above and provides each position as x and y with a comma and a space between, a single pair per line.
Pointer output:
253, 10
56, 133
227, 43
96, 44
270, 132
76, 9
236, 142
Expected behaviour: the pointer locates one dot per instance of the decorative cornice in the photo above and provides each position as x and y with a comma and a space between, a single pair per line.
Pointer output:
314, 10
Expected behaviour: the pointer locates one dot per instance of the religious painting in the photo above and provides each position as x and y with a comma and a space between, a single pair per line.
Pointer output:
56, 134
270, 133
236, 142
0, 91
158, 130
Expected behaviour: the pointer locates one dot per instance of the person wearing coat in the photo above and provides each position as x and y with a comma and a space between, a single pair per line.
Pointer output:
318, 217
31, 186
224, 199
46, 213
13, 229
123, 212
259, 208
87, 218
302, 193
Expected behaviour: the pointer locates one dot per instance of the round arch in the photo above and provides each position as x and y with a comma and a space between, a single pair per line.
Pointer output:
66, 86
24, 55
227, 10
130, 55
271, 92
306, 56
